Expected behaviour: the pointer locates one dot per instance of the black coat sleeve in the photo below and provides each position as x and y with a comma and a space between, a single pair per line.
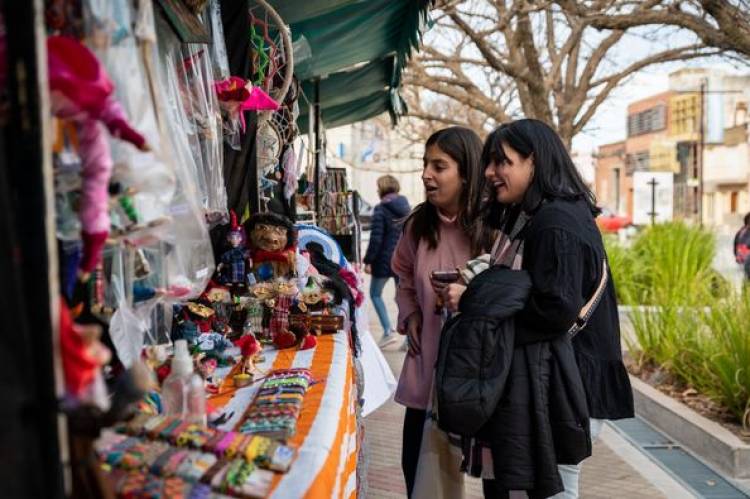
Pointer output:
554, 258
377, 234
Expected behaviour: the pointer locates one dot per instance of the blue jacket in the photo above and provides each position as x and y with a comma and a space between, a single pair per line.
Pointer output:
387, 220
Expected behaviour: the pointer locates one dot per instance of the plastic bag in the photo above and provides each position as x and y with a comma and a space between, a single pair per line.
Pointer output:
194, 115
109, 34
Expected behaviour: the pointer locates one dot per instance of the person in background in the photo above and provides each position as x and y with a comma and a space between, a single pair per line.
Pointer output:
387, 219
742, 246
441, 233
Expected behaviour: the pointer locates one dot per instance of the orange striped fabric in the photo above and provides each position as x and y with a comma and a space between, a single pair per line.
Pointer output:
340, 462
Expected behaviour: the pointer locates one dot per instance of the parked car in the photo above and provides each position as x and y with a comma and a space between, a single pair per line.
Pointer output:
365, 214
609, 221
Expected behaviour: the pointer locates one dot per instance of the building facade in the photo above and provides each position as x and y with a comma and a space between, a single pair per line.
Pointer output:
611, 184
697, 130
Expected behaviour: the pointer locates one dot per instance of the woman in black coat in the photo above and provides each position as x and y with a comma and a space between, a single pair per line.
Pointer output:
541, 202
387, 219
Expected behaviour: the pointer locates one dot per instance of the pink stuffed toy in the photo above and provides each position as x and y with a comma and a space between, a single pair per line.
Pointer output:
81, 92
235, 97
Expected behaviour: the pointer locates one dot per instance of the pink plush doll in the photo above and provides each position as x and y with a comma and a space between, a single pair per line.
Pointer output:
81, 92
237, 95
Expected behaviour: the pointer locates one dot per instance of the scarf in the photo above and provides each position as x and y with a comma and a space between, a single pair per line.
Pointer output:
507, 252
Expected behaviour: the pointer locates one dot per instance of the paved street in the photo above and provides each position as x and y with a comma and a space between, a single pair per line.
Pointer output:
605, 475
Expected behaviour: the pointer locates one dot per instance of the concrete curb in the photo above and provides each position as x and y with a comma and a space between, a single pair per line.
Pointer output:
703, 437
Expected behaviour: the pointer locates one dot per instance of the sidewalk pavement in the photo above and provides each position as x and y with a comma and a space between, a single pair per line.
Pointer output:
606, 474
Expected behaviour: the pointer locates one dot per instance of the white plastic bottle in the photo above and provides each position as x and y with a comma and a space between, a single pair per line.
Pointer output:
183, 392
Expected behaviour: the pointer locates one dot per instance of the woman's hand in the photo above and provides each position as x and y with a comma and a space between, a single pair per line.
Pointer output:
368, 269
413, 330
438, 286
452, 296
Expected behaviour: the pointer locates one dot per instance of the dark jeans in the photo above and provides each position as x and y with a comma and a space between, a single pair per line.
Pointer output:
412, 442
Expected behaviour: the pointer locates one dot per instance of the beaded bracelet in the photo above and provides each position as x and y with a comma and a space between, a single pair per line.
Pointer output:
161, 461
174, 462
175, 488
221, 447
166, 431
157, 429
210, 474
213, 442
153, 423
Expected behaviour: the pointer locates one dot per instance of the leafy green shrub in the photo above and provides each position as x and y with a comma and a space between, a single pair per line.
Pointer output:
687, 318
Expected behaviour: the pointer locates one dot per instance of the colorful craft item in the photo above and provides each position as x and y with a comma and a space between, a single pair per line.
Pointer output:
284, 339
308, 341
235, 261
249, 349
82, 352
208, 446
276, 407
272, 245
81, 92
237, 95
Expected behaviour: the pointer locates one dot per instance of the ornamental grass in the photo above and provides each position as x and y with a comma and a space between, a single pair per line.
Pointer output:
686, 317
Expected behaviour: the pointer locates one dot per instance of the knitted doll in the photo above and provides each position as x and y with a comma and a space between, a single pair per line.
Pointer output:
82, 93
273, 243
235, 261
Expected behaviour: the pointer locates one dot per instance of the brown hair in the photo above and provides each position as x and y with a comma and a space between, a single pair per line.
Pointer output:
387, 184
465, 147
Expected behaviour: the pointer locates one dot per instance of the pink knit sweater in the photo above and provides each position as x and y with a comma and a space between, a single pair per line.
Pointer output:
413, 262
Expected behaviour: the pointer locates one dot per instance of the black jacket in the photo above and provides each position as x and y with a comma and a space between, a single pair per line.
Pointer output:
563, 253
386, 228
541, 419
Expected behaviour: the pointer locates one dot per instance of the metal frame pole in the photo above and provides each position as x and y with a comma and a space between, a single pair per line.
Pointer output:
318, 146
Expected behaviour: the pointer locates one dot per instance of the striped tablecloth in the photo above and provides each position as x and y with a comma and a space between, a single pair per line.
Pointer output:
327, 439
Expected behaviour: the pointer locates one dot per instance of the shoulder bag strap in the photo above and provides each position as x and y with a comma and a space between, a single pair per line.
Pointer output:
588, 309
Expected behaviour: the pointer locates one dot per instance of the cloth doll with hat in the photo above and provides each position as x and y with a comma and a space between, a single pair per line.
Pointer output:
273, 246
235, 262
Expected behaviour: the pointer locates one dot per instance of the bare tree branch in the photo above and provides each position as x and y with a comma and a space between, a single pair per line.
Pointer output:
555, 60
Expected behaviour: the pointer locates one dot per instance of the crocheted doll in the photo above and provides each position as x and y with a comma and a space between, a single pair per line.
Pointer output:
273, 243
82, 93
235, 261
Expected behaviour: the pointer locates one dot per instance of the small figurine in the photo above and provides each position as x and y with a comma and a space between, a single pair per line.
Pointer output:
201, 315
249, 348
266, 294
254, 317
312, 295
235, 261
207, 368
273, 243
214, 343
286, 291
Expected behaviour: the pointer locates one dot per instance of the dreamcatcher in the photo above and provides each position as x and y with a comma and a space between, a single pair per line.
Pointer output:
273, 71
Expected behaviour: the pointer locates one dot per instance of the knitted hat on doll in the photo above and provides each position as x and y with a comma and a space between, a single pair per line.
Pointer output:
235, 229
75, 71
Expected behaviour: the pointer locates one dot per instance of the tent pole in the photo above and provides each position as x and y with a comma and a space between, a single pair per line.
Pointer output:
318, 146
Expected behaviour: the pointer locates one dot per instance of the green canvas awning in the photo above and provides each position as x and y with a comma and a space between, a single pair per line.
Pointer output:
350, 86
358, 110
293, 11
357, 48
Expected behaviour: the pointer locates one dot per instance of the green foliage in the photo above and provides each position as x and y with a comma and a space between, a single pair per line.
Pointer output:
686, 316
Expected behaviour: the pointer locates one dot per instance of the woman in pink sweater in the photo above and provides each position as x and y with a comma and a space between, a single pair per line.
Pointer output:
440, 234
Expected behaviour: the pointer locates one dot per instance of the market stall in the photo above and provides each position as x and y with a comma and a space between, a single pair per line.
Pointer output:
207, 343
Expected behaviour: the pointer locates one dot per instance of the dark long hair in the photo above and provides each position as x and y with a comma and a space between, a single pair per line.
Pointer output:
555, 175
465, 148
